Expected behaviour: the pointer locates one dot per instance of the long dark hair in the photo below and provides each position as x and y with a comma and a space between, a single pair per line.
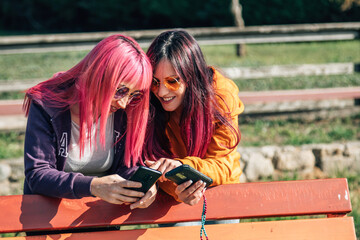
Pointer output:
200, 107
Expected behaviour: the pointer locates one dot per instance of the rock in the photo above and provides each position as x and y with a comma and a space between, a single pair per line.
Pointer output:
258, 166
335, 158
294, 159
17, 169
5, 188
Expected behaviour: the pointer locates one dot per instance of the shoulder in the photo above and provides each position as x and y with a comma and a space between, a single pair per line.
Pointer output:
45, 107
227, 93
222, 83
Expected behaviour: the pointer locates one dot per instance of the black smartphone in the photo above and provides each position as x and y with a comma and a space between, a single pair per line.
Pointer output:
184, 173
147, 177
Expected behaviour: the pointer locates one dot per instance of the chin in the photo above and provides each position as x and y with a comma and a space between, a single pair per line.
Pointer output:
168, 108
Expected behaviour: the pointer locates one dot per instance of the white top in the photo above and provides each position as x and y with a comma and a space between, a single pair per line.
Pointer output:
96, 160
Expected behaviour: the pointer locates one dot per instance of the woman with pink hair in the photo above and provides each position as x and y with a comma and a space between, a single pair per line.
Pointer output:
194, 116
86, 126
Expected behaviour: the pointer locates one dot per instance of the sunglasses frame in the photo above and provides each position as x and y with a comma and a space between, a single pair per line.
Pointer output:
136, 95
166, 82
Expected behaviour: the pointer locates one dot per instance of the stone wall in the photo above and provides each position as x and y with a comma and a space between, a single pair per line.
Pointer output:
307, 161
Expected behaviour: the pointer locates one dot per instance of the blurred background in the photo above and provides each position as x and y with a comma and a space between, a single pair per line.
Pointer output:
42, 16
295, 62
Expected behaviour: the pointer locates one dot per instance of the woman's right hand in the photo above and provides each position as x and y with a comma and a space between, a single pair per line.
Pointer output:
190, 193
163, 165
113, 189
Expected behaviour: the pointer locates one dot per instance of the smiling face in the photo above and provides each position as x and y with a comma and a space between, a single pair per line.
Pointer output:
170, 100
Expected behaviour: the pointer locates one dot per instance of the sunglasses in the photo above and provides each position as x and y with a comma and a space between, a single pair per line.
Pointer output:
134, 98
171, 83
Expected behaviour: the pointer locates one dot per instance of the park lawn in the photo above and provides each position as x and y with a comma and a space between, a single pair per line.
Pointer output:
44, 65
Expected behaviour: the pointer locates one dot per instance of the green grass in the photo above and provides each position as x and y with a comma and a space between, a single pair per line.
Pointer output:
11, 95
11, 144
284, 54
299, 132
36, 65
43, 65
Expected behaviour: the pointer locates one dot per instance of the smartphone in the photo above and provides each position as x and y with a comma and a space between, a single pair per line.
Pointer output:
147, 177
184, 173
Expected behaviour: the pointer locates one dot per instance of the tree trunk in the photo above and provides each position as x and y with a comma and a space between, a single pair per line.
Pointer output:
236, 10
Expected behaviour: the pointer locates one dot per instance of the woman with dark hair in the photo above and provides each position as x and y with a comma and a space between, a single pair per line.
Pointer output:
194, 118
86, 126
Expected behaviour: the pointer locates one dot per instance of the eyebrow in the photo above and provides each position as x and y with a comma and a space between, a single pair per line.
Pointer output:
122, 86
171, 76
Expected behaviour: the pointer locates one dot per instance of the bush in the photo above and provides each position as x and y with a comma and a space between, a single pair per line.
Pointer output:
42, 16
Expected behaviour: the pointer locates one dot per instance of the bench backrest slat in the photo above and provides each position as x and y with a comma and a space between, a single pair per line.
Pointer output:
35, 212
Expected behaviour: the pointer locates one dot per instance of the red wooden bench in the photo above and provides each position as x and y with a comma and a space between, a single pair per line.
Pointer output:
328, 199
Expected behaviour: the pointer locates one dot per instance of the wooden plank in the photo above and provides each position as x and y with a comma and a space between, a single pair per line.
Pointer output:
300, 94
210, 35
231, 72
197, 32
247, 200
12, 107
306, 229
287, 70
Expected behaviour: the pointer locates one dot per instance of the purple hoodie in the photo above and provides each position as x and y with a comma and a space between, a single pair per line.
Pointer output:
46, 148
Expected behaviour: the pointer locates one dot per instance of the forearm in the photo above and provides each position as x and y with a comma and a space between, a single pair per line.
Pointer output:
55, 183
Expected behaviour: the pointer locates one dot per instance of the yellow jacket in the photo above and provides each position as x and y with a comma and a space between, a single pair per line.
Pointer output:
220, 163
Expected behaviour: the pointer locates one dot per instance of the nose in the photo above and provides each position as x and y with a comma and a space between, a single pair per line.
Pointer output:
162, 90
122, 102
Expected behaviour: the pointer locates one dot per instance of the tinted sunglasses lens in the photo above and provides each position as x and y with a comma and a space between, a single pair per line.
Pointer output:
135, 98
172, 83
121, 92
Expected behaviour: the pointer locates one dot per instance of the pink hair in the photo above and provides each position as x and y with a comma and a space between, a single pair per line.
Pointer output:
92, 84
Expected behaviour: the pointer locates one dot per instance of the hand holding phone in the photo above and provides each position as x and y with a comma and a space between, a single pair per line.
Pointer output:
184, 173
146, 176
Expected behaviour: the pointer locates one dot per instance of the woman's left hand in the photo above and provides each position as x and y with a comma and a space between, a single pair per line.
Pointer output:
146, 200
163, 165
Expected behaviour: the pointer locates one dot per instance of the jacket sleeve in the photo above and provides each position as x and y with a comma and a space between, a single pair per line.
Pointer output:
43, 170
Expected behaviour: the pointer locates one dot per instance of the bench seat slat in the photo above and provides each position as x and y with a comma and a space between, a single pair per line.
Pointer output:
248, 200
310, 229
